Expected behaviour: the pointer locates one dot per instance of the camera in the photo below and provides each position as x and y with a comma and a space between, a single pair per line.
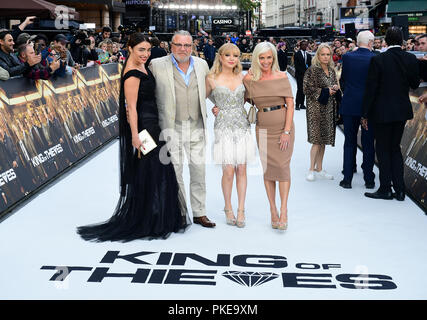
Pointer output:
127, 29
82, 36
37, 48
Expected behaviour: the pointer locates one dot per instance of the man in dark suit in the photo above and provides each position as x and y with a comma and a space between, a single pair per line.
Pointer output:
353, 78
209, 51
156, 51
282, 56
386, 106
302, 60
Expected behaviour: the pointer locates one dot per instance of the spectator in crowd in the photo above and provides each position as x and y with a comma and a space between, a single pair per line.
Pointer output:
4, 75
194, 51
302, 61
40, 70
320, 86
60, 42
17, 30
41, 44
234, 38
386, 107
80, 49
410, 44
156, 50
104, 35
202, 43
244, 46
377, 44
337, 43
282, 56
167, 46
209, 52
8, 61
351, 47
353, 78
273, 41
93, 57
383, 45
422, 43
343, 50
337, 56
416, 42
24, 38
103, 54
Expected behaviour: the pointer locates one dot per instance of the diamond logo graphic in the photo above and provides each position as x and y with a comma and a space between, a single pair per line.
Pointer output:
250, 279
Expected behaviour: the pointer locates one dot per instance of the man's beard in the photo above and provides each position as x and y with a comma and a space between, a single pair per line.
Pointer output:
181, 60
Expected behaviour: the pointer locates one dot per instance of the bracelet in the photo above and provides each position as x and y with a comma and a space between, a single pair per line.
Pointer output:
286, 132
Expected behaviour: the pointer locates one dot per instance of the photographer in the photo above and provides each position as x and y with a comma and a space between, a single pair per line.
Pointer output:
82, 49
104, 35
60, 43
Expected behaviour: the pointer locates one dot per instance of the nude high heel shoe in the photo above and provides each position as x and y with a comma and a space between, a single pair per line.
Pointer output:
240, 223
275, 224
283, 225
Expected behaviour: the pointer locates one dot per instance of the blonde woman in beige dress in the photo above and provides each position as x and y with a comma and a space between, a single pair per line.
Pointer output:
271, 92
234, 146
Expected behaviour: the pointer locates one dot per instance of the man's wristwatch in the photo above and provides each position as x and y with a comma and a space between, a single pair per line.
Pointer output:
286, 132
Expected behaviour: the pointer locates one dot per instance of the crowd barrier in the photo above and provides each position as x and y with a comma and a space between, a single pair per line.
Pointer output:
414, 149
47, 126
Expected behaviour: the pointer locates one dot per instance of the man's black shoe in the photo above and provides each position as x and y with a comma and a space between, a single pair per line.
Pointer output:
345, 184
354, 170
297, 108
400, 196
303, 107
388, 195
370, 185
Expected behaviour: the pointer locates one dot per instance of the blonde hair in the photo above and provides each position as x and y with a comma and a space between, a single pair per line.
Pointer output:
316, 61
260, 49
217, 65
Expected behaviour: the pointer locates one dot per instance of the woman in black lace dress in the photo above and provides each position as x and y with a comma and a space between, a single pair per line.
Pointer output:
150, 204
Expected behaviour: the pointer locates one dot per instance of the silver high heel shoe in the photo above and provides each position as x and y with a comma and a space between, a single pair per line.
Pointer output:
230, 221
275, 224
241, 223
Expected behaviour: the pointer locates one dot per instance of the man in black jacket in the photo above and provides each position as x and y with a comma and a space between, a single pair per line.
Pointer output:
156, 51
282, 56
302, 61
386, 106
209, 51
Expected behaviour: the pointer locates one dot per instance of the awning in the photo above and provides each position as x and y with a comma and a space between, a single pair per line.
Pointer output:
40, 8
409, 7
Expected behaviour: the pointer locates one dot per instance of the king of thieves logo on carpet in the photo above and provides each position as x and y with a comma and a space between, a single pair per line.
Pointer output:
164, 268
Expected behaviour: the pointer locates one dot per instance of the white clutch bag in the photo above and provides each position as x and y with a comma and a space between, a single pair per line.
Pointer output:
148, 143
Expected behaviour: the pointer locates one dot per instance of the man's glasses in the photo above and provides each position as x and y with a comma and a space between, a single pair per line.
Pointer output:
180, 45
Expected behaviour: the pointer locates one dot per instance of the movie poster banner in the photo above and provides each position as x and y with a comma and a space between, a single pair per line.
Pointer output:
48, 125
414, 149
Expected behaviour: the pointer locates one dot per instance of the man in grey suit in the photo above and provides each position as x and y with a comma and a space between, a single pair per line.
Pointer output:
181, 101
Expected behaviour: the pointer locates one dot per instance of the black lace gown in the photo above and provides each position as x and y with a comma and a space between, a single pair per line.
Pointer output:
151, 205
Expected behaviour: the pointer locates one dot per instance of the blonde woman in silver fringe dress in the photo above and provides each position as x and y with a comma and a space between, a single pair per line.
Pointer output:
234, 145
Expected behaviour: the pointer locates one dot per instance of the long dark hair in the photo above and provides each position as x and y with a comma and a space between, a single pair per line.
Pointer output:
126, 148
